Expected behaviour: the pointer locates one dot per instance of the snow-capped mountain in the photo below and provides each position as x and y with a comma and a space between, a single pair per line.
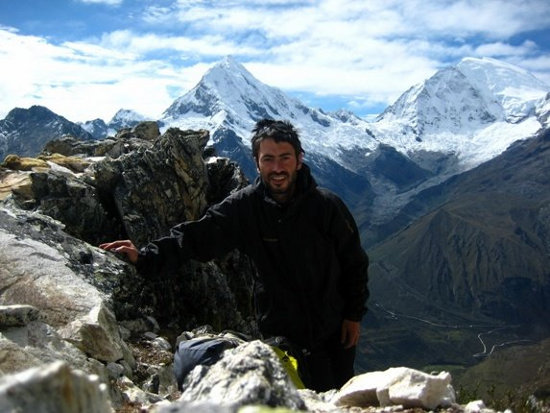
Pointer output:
457, 119
229, 97
473, 110
124, 118
97, 128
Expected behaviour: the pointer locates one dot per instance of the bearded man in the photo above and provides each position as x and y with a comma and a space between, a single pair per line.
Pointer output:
311, 284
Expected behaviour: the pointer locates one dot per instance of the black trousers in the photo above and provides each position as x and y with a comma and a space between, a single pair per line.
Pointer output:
329, 366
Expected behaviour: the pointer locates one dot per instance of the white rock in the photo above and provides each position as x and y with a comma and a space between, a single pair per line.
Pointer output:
54, 388
397, 386
475, 406
98, 335
247, 375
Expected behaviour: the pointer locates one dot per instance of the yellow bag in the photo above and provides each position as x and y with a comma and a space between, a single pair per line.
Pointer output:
290, 365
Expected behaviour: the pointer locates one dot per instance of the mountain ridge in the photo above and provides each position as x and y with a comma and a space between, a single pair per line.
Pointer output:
22, 131
441, 127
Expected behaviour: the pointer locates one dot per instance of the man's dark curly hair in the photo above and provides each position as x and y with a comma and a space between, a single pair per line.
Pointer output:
279, 131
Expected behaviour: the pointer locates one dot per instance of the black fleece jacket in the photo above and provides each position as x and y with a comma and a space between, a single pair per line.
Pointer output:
312, 271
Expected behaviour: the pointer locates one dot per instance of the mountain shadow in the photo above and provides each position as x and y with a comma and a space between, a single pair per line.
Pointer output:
476, 258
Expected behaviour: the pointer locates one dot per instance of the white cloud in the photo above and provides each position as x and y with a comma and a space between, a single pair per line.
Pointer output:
81, 81
208, 45
500, 49
107, 2
368, 52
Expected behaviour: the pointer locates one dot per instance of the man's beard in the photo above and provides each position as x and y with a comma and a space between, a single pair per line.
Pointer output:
285, 191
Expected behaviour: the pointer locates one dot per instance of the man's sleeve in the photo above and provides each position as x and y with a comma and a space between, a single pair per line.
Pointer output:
354, 262
212, 236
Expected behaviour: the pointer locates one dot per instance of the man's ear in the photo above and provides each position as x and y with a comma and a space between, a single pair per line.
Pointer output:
257, 164
300, 161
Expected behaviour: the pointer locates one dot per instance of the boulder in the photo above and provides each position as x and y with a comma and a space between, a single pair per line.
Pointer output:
225, 177
37, 344
397, 386
16, 182
97, 334
54, 388
247, 375
125, 141
76, 164
64, 279
147, 130
19, 163
69, 146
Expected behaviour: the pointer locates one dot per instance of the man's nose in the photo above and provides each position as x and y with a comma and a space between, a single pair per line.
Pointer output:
278, 165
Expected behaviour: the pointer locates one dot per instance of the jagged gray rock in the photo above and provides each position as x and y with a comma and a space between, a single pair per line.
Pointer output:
37, 344
147, 130
125, 141
225, 177
193, 407
69, 198
54, 389
76, 295
17, 315
170, 179
59, 275
250, 374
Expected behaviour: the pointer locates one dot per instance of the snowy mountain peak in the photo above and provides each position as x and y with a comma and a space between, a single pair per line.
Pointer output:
227, 68
226, 93
475, 91
445, 101
229, 97
126, 116
473, 110
516, 90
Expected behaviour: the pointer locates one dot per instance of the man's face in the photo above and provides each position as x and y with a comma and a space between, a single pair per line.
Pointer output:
278, 167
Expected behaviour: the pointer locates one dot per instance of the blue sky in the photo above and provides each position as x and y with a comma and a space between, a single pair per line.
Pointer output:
86, 59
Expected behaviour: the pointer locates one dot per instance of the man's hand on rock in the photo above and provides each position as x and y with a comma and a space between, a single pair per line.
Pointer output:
125, 247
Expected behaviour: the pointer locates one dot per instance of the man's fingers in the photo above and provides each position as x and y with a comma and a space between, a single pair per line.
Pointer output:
130, 251
122, 246
115, 244
109, 245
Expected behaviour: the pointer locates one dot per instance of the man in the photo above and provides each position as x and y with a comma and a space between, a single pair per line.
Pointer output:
312, 271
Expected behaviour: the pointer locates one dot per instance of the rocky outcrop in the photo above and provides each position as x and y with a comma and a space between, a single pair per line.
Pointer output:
57, 387
169, 178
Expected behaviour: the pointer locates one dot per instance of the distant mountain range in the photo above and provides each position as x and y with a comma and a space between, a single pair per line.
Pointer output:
124, 118
455, 120
449, 187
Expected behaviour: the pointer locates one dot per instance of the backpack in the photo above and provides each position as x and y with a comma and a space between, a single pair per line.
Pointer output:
199, 351
207, 350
